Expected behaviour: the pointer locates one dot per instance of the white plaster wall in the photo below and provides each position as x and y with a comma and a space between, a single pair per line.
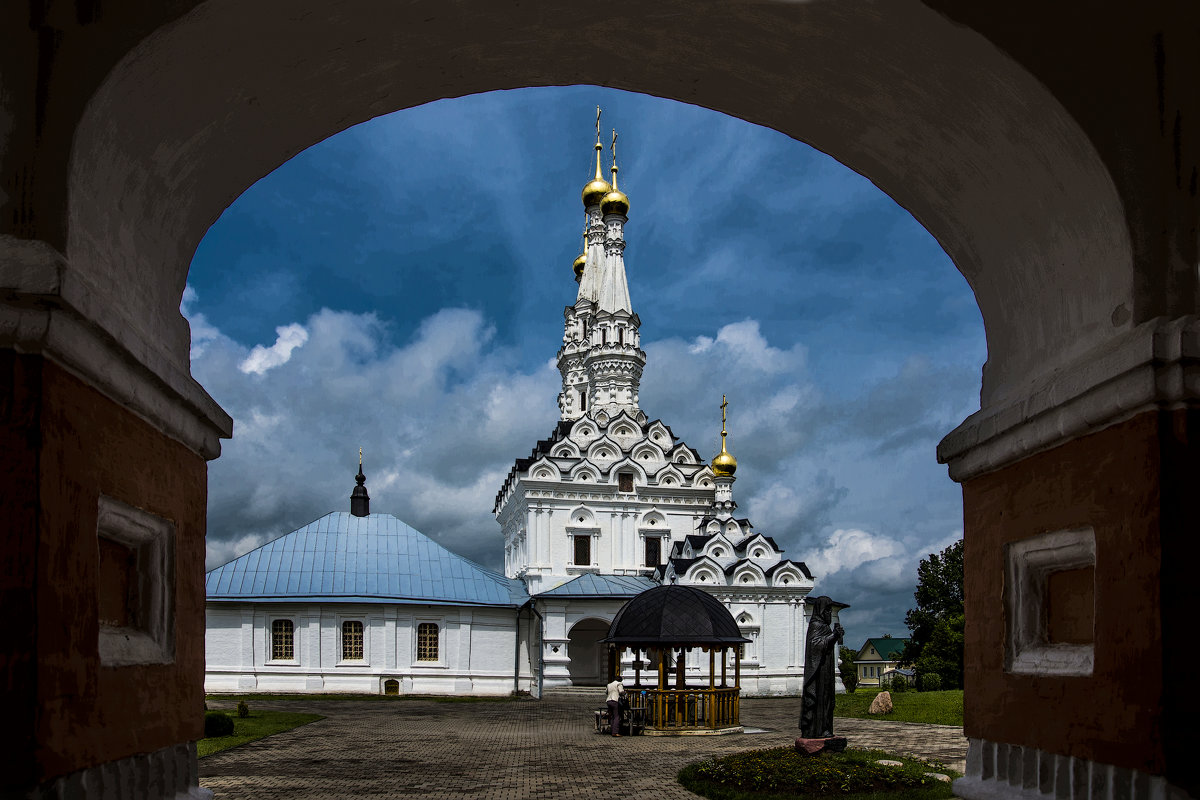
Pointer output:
477, 648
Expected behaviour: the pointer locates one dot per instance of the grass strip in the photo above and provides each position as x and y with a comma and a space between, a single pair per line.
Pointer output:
221, 699
937, 708
258, 725
783, 774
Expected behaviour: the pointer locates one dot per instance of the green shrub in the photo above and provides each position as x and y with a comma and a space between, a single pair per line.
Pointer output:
850, 681
784, 772
217, 723
243, 709
929, 682
897, 685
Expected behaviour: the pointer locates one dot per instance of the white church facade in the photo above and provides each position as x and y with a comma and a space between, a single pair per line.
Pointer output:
612, 503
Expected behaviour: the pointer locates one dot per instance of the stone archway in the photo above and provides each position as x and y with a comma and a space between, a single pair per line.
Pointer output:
1058, 171
589, 658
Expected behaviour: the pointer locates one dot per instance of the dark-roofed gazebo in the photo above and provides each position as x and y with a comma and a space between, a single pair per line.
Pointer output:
666, 622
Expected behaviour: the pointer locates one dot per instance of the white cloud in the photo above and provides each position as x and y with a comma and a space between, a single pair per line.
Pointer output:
202, 332
262, 358
849, 549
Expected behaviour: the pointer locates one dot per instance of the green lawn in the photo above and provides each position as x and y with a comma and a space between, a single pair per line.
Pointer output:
783, 774
939, 708
258, 725
221, 699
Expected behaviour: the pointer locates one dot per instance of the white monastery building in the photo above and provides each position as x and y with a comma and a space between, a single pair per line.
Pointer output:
609, 505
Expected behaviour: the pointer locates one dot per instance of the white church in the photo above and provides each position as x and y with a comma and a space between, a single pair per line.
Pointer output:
609, 505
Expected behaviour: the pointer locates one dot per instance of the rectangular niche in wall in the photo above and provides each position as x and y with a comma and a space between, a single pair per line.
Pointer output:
1050, 603
135, 586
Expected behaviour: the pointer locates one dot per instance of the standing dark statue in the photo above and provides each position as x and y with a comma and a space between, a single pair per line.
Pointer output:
820, 660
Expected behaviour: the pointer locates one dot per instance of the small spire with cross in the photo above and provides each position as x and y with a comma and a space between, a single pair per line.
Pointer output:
360, 501
724, 465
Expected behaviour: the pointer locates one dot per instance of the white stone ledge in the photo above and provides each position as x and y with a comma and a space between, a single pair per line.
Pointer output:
1153, 366
997, 771
170, 773
47, 311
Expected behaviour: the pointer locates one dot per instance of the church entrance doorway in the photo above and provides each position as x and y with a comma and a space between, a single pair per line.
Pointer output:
587, 667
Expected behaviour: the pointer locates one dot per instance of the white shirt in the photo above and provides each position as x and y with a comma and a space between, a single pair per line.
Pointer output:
615, 690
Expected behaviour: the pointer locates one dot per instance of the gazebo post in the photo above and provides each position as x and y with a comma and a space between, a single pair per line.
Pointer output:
724, 666
710, 706
737, 684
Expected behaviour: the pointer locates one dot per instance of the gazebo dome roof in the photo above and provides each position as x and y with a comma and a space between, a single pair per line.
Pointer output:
674, 615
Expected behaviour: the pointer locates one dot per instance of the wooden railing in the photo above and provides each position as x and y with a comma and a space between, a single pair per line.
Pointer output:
689, 709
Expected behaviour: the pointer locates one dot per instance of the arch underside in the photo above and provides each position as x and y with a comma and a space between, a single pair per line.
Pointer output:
934, 114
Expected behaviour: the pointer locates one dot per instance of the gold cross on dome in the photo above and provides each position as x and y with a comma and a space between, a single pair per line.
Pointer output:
597, 124
724, 405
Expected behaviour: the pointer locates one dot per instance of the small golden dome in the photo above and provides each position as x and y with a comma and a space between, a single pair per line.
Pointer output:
595, 192
579, 264
724, 465
615, 202
597, 188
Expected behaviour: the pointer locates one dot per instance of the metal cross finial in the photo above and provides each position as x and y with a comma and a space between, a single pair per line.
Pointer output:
724, 405
614, 147
360, 457
597, 124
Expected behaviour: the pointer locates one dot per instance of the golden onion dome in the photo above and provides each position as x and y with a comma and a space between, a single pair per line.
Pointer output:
724, 465
615, 202
597, 187
580, 262
595, 192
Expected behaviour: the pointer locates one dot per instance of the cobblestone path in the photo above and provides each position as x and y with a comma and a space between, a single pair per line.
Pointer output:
509, 749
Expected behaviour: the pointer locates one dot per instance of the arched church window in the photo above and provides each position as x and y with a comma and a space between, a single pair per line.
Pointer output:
352, 640
653, 550
583, 551
282, 640
427, 641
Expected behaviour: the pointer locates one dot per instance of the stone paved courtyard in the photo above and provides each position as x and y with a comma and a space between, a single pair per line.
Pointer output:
509, 749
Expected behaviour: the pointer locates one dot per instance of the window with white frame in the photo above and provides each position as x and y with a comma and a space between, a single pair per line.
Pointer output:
582, 550
427, 642
352, 640
653, 551
283, 641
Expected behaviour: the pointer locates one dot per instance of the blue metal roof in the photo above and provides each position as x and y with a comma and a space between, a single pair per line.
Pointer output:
373, 559
591, 585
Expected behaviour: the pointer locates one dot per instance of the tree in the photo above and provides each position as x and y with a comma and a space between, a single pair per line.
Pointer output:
938, 616
847, 667
943, 653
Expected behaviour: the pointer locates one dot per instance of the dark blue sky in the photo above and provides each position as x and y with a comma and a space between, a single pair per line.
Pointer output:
403, 283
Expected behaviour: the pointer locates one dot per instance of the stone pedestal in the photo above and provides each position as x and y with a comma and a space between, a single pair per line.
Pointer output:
814, 747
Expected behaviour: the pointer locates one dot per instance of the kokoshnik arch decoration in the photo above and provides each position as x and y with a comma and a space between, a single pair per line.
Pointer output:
1058, 171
